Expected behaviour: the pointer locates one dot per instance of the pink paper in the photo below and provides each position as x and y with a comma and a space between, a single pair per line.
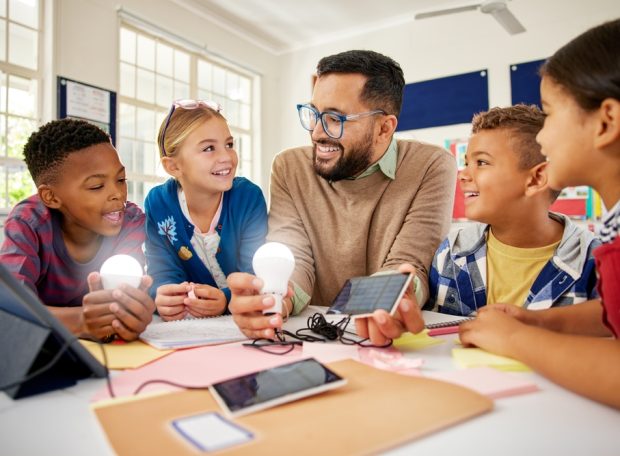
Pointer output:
390, 359
488, 381
327, 353
199, 366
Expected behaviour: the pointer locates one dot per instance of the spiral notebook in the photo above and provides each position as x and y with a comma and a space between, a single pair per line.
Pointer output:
191, 332
435, 320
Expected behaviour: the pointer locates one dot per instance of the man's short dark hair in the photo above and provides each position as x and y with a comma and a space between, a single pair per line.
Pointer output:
385, 83
524, 122
48, 147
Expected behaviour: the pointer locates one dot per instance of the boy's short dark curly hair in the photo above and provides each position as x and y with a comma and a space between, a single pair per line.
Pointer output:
524, 122
48, 147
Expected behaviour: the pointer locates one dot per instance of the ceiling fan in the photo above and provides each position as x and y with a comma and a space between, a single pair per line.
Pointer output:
496, 8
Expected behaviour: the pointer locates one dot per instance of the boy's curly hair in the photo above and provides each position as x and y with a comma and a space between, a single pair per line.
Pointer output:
48, 147
523, 121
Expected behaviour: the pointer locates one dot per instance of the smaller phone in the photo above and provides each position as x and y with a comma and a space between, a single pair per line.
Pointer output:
270, 387
361, 296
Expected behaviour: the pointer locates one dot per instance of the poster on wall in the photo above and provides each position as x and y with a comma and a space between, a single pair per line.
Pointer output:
78, 100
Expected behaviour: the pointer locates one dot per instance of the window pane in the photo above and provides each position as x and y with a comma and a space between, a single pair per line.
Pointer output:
18, 134
146, 86
204, 95
139, 157
2, 39
204, 75
244, 89
244, 120
3, 8
244, 148
2, 137
3, 91
219, 80
233, 90
146, 124
4, 202
22, 46
151, 158
22, 96
20, 184
181, 90
164, 59
127, 121
125, 152
146, 52
128, 46
181, 66
165, 95
128, 80
25, 12
232, 113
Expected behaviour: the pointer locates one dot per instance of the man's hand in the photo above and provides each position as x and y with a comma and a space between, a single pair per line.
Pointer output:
247, 305
381, 328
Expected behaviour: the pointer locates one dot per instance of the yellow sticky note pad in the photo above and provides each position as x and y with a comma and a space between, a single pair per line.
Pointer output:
124, 355
409, 341
476, 357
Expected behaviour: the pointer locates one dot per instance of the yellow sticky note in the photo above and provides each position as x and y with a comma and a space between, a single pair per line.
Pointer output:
409, 341
476, 357
124, 355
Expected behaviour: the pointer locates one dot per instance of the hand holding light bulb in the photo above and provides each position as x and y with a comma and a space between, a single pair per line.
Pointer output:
273, 263
121, 269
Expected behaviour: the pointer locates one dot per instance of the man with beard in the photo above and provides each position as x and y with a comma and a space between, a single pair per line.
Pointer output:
355, 203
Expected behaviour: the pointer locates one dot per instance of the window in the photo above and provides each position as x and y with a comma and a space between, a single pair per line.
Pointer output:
20, 31
153, 73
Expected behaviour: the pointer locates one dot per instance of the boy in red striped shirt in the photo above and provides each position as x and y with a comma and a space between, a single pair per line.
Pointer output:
57, 240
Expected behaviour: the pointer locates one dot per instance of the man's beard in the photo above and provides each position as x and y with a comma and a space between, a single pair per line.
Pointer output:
351, 162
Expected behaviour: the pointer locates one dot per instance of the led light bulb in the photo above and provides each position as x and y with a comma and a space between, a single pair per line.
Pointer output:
120, 269
274, 263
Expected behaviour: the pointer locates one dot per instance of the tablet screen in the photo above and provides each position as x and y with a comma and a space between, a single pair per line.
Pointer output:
274, 386
361, 296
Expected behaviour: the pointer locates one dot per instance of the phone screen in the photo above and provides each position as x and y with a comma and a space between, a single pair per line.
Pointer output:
266, 388
361, 296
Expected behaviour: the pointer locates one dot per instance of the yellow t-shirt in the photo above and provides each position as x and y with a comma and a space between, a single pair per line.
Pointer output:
511, 271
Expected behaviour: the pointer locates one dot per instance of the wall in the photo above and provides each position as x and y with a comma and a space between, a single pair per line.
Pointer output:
86, 49
448, 45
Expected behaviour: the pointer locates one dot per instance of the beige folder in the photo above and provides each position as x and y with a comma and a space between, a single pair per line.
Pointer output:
374, 411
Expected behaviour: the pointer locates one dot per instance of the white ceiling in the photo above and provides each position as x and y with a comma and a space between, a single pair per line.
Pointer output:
282, 26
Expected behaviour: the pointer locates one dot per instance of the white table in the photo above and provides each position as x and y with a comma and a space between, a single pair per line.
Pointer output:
552, 421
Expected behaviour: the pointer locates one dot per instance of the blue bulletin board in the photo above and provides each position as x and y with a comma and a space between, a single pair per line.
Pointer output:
525, 82
444, 101
87, 102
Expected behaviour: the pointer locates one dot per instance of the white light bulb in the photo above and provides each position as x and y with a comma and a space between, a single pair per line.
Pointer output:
120, 269
274, 263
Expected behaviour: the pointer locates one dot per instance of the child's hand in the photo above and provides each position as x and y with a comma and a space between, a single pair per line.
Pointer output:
170, 301
125, 311
529, 317
207, 301
491, 331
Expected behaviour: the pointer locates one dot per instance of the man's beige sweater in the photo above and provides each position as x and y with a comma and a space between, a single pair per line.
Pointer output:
338, 230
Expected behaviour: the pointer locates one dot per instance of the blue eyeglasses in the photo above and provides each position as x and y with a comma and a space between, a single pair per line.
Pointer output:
333, 123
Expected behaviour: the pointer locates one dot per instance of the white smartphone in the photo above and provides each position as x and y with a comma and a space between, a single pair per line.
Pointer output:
361, 296
270, 387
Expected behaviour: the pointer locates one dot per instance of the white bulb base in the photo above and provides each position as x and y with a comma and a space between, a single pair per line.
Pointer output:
277, 307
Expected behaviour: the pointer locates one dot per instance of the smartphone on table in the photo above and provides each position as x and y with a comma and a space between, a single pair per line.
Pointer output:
361, 296
270, 387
